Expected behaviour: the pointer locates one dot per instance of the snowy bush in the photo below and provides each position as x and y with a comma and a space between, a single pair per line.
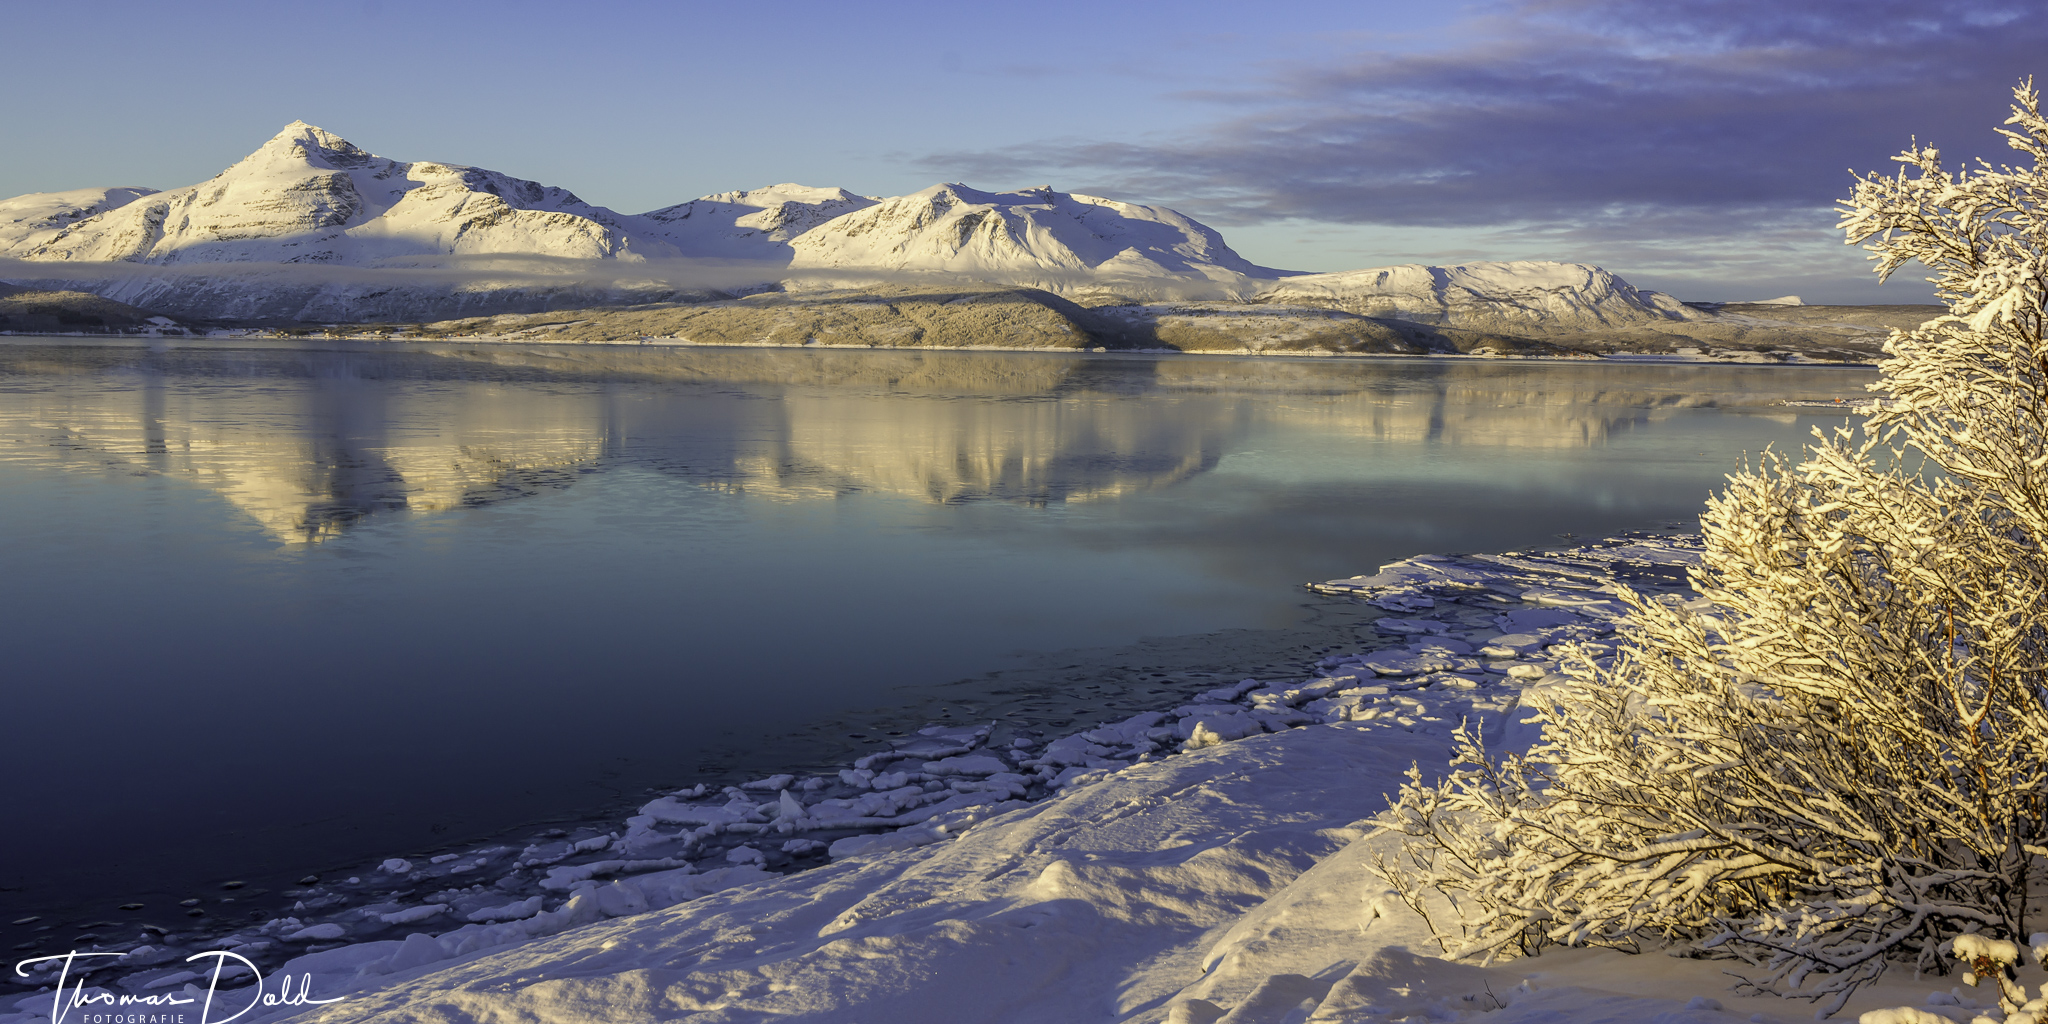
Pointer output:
1844, 762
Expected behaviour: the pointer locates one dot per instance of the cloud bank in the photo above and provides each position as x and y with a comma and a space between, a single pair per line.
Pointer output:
1588, 125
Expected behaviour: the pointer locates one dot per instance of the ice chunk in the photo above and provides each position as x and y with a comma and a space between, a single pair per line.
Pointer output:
509, 912
672, 811
1218, 726
1202, 736
396, 866
1591, 603
318, 933
414, 914
1223, 694
1514, 645
568, 875
977, 764
1440, 654
788, 808
1076, 749
1403, 601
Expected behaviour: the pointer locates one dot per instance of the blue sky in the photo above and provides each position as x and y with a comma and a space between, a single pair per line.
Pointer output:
1693, 147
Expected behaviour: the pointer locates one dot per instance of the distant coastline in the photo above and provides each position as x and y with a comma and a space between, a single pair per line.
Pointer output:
1025, 320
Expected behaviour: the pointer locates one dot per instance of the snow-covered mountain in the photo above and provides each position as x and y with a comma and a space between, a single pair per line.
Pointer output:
309, 196
311, 227
1057, 240
310, 202
1513, 296
30, 220
754, 224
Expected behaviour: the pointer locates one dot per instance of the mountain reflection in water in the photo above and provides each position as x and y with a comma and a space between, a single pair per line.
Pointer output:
309, 442
275, 608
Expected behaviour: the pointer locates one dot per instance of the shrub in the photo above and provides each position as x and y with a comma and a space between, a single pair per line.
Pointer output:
1843, 762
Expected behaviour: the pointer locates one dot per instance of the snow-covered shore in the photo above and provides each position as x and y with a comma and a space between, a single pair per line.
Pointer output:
1209, 861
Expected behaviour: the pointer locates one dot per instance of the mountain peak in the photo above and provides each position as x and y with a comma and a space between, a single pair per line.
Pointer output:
1042, 234
316, 144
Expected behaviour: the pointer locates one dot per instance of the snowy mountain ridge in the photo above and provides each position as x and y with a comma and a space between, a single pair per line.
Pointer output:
308, 198
30, 220
1026, 236
1492, 295
758, 223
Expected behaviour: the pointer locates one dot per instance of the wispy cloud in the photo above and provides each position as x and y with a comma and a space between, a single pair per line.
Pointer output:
1631, 123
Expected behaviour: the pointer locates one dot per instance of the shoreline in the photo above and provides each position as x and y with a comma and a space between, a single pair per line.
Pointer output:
1733, 358
572, 832
929, 788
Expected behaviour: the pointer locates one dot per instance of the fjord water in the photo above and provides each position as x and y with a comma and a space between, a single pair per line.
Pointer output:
277, 607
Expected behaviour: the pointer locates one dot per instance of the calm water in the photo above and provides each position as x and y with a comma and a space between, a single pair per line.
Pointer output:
279, 607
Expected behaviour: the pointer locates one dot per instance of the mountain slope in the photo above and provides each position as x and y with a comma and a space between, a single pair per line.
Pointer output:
309, 196
1056, 240
756, 224
312, 227
1514, 296
30, 220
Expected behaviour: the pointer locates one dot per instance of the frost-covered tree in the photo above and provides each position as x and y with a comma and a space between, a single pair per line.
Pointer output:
1836, 757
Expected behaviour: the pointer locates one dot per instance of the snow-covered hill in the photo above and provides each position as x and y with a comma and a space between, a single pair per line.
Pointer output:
1057, 240
1509, 297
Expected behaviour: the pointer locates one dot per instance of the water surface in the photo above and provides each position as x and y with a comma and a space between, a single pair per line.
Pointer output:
278, 607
